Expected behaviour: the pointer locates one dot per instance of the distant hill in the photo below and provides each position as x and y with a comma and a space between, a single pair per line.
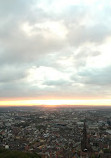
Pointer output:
16, 154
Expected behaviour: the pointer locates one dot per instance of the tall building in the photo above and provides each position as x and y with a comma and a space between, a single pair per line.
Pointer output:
85, 142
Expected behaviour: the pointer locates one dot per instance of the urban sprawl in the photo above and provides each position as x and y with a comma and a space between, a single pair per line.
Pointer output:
57, 132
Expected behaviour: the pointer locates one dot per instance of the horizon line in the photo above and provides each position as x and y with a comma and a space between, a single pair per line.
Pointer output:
97, 102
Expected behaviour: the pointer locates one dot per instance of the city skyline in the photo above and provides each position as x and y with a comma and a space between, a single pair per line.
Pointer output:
55, 52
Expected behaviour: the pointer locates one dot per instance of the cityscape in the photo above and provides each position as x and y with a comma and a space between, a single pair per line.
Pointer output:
55, 79
57, 132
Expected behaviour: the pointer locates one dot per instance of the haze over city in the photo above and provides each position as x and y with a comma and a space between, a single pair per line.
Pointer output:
55, 52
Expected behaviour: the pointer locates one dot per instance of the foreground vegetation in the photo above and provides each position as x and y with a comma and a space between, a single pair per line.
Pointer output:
16, 154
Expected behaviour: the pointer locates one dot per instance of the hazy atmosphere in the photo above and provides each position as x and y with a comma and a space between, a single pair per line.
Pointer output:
55, 50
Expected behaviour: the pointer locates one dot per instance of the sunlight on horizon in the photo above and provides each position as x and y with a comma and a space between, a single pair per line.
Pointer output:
56, 102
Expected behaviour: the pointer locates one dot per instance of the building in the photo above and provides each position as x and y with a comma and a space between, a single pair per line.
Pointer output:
85, 142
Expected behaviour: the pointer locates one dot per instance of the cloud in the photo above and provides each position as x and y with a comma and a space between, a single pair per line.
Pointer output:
54, 48
11, 74
99, 76
80, 35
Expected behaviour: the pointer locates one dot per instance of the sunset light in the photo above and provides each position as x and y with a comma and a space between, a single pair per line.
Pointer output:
55, 52
56, 102
55, 78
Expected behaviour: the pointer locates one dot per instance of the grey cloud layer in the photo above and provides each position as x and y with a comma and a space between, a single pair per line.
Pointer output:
19, 52
97, 76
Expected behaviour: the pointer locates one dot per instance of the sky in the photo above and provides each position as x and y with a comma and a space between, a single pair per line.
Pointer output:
55, 52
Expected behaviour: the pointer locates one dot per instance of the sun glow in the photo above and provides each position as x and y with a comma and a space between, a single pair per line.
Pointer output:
55, 102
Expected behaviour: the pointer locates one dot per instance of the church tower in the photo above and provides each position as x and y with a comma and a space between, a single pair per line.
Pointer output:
85, 142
